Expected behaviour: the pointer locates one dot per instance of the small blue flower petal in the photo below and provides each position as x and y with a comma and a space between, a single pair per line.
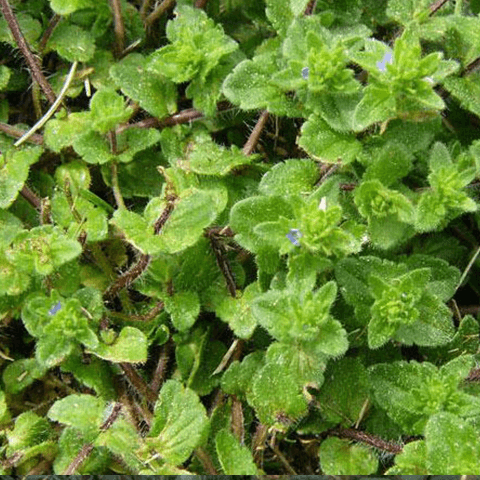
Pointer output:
55, 309
294, 235
387, 58
305, 72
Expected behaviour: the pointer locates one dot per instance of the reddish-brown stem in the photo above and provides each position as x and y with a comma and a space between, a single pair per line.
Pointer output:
223, 264
436, 6
368, 439
158, 12
310, 7
238, 426
25, 49
258, 442
31, 197
127, 278
82, 455
138, 382
206, 461
144, 260
144, 9
162, 363
16, 133
200, 3
48, 32
249, 146
119, 27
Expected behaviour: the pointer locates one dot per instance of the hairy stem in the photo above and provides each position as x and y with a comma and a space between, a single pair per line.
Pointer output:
22, 44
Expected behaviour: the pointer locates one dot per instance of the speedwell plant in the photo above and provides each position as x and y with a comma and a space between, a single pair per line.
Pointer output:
239, 237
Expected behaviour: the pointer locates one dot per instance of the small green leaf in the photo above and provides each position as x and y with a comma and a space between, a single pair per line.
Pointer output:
152, 91
130, 346
65, 7
327, 145
339, 457
234, 458
14, 168
132, 141
30, 429
81, 50
452, 444
196, 210
108, 110
237, 312
5, 73
42, 249
294, 176
412, 392
281, 13
184, 308
192, 34
62, 132
83, 412
276, 397
179, 424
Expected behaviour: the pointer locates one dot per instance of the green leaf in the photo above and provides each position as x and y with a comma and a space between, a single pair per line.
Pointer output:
61, 132
237, 312
19, 374
14, 168
42, 249
197, 45
339, 457
30, 27
327, 145
345, 391
234, 458
80, 411
281, 13
406, 11
130, 346
108, 110
452, 444
411, 460
390, 164
81, 50
179, 424
184, 308
276, 397
12, 281
137, 231
206, 157
132, 141
294, 176
196, 210
292, 317
152, 91
5, 74
122, 440
412, 392
250, 86
30, 429
65, 7
247, 214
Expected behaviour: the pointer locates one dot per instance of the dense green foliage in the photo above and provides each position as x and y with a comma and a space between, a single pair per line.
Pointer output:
173, 303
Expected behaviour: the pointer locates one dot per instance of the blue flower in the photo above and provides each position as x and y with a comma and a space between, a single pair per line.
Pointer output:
55, 309
294, 235
305, 72
387, 58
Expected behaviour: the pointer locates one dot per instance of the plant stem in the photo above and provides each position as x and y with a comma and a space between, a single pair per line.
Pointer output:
25, 49
119, 27
52, 109
249, 146
158, 12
